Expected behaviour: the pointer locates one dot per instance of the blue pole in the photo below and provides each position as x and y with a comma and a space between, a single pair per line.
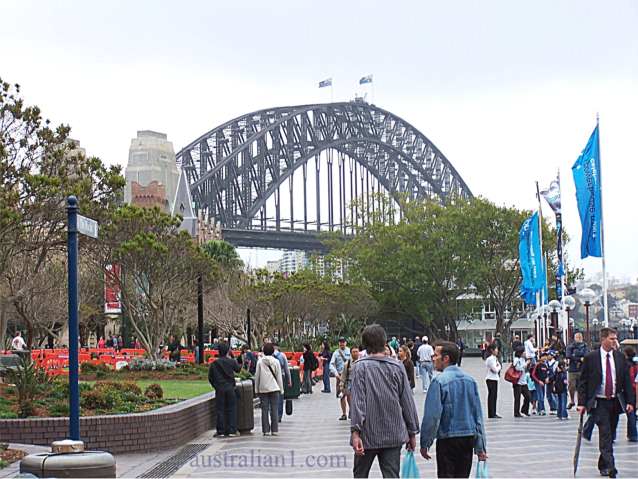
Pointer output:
74, 387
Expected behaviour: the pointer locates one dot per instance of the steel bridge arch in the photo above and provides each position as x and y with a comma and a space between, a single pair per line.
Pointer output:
236, 167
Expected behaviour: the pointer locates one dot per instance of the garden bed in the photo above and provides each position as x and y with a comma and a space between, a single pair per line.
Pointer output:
9, 456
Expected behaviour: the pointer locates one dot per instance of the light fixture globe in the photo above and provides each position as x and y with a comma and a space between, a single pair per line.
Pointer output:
588, 295
569, 302
554, 305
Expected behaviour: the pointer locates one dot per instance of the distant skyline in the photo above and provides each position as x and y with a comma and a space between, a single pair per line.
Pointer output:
508, 91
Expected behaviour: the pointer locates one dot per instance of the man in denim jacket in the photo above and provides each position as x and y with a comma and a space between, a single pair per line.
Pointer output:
452, 416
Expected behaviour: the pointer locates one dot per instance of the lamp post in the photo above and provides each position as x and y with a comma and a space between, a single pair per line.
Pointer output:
594, 323
588, 296
569, 303
554, 306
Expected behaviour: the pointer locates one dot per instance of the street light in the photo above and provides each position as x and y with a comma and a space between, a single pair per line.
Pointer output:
588, 296
554, 306
569, 303
594, 323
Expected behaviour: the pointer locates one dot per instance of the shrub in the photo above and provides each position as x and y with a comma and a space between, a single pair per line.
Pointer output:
154, 391
89, 368
120, 386
29, 380
143, 364
8, 415
59, 408
100, 398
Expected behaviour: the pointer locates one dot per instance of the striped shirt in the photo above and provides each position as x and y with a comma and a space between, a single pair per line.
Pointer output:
382, 405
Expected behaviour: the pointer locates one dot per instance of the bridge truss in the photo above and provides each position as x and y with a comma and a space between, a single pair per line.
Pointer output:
299, 169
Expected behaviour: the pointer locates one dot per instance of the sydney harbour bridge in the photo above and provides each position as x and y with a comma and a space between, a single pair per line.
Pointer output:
276, 178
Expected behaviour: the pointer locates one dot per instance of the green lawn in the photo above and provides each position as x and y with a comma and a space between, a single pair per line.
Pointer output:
176, 389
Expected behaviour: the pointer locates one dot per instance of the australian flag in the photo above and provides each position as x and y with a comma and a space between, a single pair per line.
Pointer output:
365, 79
325, 83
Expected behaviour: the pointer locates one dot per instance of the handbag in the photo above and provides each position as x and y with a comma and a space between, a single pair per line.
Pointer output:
482, 471
512, 375
409, 469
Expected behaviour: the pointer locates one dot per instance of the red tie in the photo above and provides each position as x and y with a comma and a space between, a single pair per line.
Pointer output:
609, 380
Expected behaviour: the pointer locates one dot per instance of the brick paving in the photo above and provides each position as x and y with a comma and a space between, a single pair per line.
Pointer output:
517, 447
314, 443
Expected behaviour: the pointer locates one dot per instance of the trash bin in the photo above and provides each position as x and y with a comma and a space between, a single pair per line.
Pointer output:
294, 391
245, 408
74, 464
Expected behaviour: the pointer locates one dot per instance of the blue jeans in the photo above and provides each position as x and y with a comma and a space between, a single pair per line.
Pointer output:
326, 378
551, 397
540, 396
425, 371
562, 405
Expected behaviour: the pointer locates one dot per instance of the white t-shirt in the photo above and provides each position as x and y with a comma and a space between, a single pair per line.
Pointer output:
530, 350
18, 343
425, 352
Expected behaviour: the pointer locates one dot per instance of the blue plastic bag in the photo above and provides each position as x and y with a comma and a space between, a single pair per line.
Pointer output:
409, 469
482, 471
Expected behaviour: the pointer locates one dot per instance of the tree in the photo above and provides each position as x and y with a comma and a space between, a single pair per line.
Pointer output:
39, 168
160, 265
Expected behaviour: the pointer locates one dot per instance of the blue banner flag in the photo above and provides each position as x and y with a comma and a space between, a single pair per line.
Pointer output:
325, 83
531, 261
586, 173
365, 79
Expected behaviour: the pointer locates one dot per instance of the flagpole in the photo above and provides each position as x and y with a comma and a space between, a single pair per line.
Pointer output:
540, 238
602, 230
561, 262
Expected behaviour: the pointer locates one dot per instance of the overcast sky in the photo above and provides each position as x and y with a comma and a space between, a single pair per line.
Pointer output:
507, 90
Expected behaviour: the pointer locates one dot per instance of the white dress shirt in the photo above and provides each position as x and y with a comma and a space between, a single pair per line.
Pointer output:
493, 368
603, 359
530, 350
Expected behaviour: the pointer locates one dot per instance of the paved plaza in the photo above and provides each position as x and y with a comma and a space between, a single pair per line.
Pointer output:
314, 443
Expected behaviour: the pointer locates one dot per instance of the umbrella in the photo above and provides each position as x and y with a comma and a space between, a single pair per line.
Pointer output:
579, 439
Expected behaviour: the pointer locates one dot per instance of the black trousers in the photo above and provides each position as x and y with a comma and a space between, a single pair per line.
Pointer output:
492, 394
605, 416
518, 390
226, 405
454, 456
389, 462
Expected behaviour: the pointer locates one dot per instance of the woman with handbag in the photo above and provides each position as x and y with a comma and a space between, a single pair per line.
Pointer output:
520, 386
269, 386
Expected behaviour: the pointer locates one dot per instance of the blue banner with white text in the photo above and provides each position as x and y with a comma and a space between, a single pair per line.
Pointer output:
586, 172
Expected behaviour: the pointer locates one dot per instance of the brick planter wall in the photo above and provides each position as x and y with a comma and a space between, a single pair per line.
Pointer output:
162, 428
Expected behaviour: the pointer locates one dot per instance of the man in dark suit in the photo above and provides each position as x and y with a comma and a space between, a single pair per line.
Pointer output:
605, 390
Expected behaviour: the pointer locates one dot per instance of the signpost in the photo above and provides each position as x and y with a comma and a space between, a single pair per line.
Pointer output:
76, 224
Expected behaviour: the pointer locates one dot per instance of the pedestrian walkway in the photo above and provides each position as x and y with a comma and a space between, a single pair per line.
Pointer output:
314, 443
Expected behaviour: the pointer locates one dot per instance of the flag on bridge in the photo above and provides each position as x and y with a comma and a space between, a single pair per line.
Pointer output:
586, 172
365, 79
325, 83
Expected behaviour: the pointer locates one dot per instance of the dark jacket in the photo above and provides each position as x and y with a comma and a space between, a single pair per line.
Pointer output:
517, 345
409, 370
221, 373
415, 348
575, 353
591, 377
309, 361
560, 382
540, 372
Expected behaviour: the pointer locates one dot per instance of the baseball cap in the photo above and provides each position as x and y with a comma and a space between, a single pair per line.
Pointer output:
424, 338
342, 339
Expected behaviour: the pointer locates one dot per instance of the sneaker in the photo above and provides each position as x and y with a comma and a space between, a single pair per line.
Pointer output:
343, 418
497, 416
233, 434
533, 413
217, 434
542, 413
324, 391
525, 414
570, 405
552, 413
266, 434
275, 433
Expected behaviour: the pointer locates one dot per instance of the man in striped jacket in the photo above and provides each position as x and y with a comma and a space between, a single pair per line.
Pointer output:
384, 416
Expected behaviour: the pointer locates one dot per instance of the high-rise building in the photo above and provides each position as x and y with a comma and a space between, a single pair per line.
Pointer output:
151, 160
